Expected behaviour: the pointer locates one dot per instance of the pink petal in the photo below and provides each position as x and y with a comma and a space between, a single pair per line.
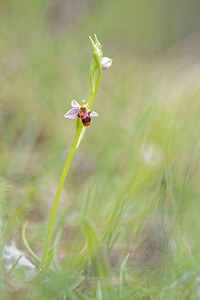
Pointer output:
72, 113
94, 114
74, 104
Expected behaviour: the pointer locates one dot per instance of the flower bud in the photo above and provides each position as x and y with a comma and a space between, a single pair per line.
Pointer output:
98, 44
96, 52
106, 62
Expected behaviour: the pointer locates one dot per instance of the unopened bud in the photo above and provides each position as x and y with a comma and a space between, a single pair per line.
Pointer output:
98, 44
96, 52
106, 62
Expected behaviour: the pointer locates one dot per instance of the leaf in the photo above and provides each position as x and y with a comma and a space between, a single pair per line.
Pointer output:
99, 295
26, 245
14, 218
114, 241
64, 282
2, 198
55, 246
122, 268
74, 280
95, 249
49, 259
80, 296
15, 264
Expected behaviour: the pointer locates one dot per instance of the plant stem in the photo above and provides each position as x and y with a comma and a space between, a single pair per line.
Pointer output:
55, 206
79, 135
93, 93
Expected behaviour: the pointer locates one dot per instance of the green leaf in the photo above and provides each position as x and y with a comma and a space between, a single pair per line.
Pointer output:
49, 259
114, 241
80, 296
64, 282
26, 245
55, 247
122, 268
95, 249
99, 295
15, 264
74, 280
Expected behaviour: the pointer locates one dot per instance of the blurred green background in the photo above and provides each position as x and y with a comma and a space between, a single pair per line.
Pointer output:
144, 149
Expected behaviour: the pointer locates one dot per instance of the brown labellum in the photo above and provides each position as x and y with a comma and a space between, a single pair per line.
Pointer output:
84, 115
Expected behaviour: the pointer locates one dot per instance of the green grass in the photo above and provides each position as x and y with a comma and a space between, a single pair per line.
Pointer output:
128, 219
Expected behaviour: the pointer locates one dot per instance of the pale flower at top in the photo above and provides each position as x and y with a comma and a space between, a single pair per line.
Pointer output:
106, 62
82, 112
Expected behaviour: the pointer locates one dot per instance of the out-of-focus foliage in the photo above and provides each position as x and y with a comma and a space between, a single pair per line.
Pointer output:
133, 187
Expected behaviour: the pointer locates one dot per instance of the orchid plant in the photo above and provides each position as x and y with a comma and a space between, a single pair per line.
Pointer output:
83, 114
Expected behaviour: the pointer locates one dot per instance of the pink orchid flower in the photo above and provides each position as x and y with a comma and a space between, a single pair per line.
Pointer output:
82, 112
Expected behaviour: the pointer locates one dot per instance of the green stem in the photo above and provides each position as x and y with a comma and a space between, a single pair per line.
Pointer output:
55, 206
93, 93
80, 130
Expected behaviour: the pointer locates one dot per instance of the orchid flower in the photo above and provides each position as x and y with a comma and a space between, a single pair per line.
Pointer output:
82, 112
